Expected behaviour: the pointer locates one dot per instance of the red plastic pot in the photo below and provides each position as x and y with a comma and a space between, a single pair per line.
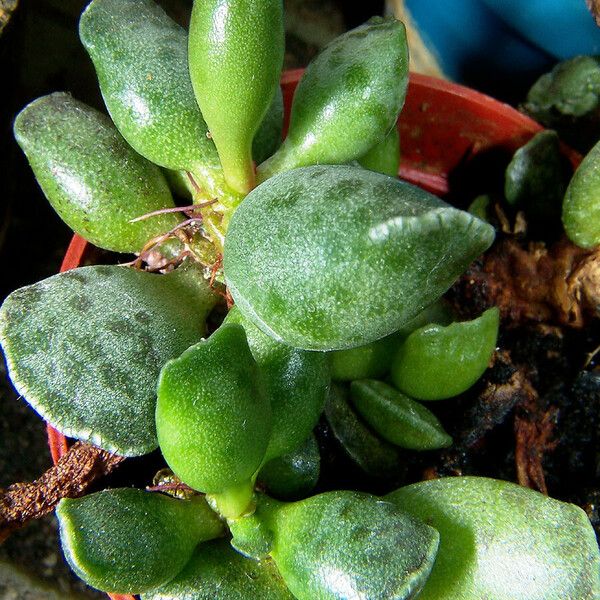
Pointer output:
447, 132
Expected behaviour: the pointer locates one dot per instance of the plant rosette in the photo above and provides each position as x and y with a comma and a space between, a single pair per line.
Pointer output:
317, 239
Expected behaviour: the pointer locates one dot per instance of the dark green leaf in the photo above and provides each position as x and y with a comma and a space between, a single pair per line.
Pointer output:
217, 572
333, 257
350, 545
127, 541
85, 348
293, 475
347, 100
92, 178
397, 418
373, 455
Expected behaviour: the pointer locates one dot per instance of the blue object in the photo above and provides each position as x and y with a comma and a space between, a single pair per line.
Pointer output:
563, 28
495, 44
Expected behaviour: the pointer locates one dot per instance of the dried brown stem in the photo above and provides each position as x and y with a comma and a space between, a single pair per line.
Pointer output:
69, 478
594, 6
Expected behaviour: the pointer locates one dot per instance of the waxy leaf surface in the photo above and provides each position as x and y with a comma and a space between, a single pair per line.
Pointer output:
92, 178
128, 541
347, 100
502, 541
350, 545
213, 418
141, 59
436, 362
293, 475
581, 204
140, 56
85, 348
373, 455
296, 382
397, 418
217, 571
384, 157
235, 58
332, 257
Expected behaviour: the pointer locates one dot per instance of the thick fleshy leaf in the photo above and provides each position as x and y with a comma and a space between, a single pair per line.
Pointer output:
296, 382
140, 56
268, 137
396, 417
213, 417
502, 541
347, 100
374, 456
436, 362
235, 58
349, 545
536, 179
85, 348
384, 157
293, 475
313, 252
217, 571
93, 179
581, 205
128, 541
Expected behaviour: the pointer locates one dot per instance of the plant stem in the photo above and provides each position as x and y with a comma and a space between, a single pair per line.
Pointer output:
233, 502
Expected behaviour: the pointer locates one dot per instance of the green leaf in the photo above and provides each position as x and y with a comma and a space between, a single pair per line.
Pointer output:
296, 382
535, 180
397, 418
437, 362
235, 58
213, 418
347, 100
350, 545
581, 205
128, 541
501, 541
216, 571
384, 157
92, 178
293, 475
268, 137
373, 455
333, 257
85, 348
140, 56
364, 362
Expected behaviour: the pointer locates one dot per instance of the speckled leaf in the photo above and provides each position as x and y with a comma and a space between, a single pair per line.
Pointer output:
235, 57
85, 348
313, 252
217, 571
293, 475
141, 59
92, 178
296, 382
374, 456
581, 205
213, 417
347, 100
536, 179
436, 362
502, 541
127, 541
396, 417
349, 545
140, 56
